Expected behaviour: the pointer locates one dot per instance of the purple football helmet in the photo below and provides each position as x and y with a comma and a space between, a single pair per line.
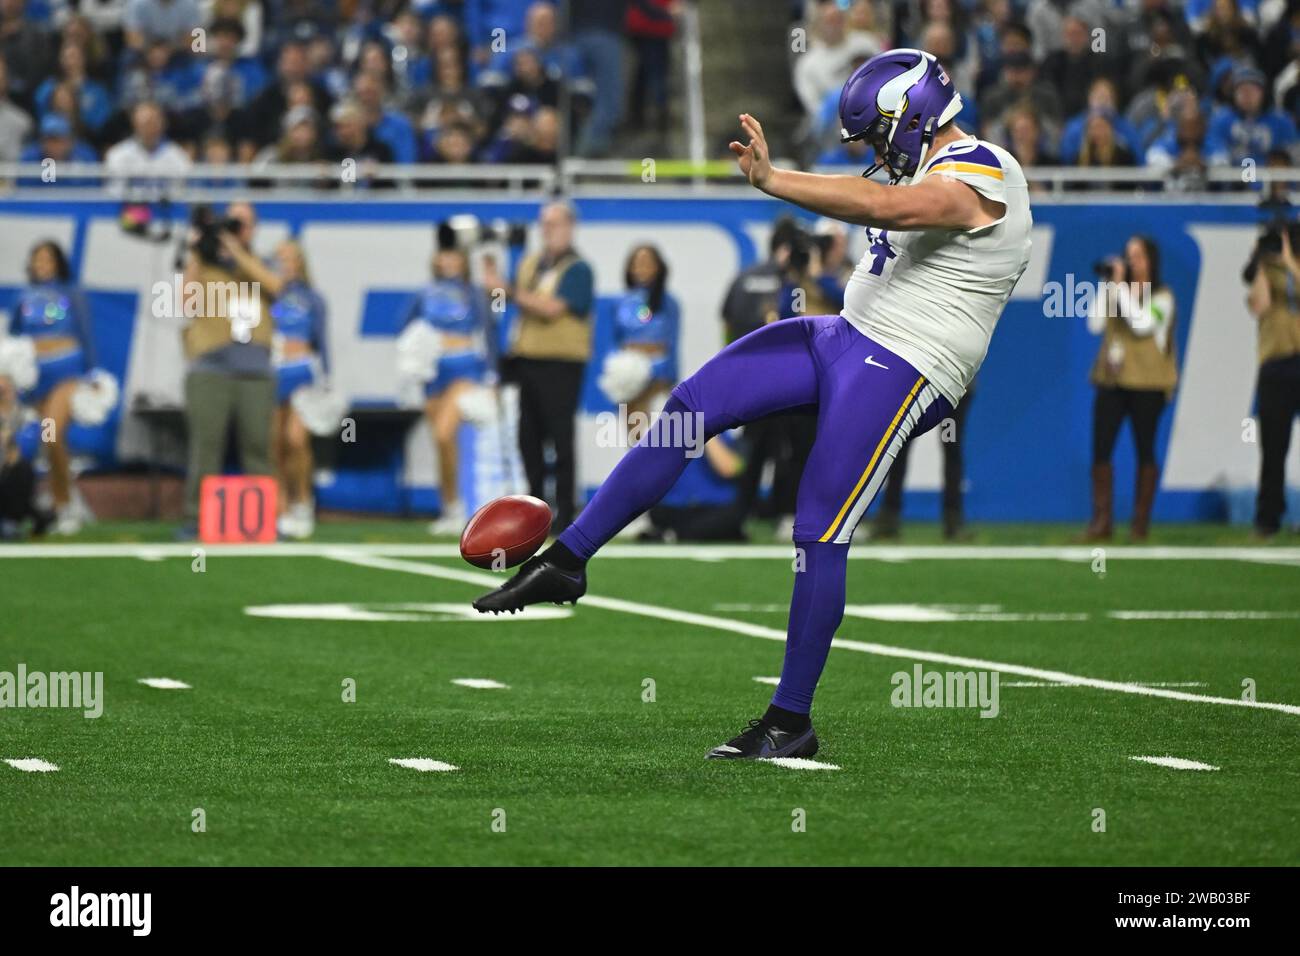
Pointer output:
896, 101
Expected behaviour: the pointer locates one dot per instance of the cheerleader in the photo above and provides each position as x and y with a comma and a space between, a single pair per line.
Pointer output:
457, 311
302, 357
53, 313
647, 320
646, 327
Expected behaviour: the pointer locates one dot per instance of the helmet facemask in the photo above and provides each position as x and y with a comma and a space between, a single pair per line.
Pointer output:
879, 135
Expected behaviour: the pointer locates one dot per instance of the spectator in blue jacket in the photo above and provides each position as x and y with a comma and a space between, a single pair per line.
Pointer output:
56, 142
540, 36
172, 80
388, 126
1184, 150
491, 23
248, 75
1248, 129
1103, 98
94, 104
167, 22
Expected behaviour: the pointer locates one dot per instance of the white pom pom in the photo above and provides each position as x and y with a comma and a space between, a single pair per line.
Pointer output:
418, 349
320, 408
478, 405
18, 361
94, 398
625, 375
410, 392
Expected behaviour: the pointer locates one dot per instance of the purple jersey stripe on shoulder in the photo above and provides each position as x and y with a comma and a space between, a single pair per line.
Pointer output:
980, 154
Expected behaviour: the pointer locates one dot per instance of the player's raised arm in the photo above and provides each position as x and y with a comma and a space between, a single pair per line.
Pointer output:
934, 203
903, 105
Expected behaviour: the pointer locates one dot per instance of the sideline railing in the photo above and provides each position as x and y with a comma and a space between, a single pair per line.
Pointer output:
325, 180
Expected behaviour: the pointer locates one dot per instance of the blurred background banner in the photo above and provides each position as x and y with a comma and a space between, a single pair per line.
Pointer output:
367, 259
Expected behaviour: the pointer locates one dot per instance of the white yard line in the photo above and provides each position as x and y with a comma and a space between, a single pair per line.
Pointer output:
1139, 683
799, 763
698, 552
1176, 763
31, 764
164, 683
1204, 615
772, 634
956, 613
396, 613
423, 764
480, 683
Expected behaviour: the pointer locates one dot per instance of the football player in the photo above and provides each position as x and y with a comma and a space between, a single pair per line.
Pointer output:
949, 240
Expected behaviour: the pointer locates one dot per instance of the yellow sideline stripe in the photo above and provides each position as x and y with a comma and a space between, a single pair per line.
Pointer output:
980, 168
884, 441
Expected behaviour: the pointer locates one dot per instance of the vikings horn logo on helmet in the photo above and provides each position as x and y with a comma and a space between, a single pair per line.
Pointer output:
893, 93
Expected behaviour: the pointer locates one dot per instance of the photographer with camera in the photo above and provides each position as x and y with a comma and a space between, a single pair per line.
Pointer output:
1135, 374
813, 277
554, 290
758, 296
18, 504
1274, 300
227, 341
817, 270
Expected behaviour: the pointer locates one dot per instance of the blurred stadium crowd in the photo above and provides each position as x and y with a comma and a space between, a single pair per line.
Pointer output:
1176, 86
174, 81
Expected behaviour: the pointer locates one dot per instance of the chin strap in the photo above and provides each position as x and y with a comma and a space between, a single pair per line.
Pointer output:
927, 140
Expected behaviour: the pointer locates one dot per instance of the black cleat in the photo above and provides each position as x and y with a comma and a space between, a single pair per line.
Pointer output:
539, 581
762, 741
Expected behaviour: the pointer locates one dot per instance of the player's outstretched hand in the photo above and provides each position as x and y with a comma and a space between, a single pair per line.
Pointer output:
753, 159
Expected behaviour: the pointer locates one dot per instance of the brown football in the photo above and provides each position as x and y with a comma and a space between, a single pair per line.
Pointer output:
505, 532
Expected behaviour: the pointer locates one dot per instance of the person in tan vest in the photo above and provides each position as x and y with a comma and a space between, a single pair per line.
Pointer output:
1274, 300
227, 341
548, 353
1135, 374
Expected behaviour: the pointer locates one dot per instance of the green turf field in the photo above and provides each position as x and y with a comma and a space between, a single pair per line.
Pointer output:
582, 769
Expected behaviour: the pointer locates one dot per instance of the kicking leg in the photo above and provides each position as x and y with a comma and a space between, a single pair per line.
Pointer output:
767, 371
867, 413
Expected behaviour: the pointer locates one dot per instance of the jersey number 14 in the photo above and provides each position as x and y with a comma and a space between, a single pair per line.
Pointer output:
880, 249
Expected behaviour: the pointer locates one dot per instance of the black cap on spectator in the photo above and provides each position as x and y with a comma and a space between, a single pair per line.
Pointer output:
1019, 29
446, 236
785, 232
228, 25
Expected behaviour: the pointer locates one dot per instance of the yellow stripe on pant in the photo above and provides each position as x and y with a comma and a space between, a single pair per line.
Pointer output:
875, 458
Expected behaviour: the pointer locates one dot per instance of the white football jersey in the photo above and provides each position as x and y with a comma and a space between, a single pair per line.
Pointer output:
933, 297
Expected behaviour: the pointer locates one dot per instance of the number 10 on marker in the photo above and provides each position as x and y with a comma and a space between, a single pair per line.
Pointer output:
237, 509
